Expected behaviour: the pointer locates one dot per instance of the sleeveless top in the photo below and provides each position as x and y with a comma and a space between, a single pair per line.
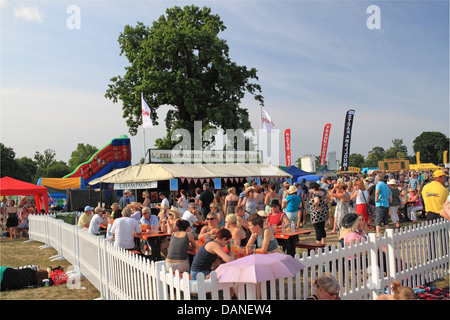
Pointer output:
251, 206
275, 219
320, 214
231, 206
203, 260
362, 197
178, 248
273, 244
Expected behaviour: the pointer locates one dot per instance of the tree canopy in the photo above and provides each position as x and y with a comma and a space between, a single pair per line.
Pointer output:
180, 61
431, 145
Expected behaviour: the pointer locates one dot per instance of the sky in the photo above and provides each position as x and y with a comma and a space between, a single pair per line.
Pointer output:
315, 61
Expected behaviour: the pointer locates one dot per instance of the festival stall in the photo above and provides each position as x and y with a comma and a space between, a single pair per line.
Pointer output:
13, 187
142, 175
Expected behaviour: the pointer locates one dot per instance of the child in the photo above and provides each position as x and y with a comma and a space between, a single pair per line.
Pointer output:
400, 293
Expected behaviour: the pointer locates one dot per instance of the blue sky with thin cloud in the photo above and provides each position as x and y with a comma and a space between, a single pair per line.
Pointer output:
315, 60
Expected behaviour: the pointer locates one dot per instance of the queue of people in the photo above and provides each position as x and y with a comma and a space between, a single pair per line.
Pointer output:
14, 219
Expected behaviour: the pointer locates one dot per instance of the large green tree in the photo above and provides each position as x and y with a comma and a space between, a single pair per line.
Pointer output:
398, 150
375, 155
82, 154
180, 61
431, 145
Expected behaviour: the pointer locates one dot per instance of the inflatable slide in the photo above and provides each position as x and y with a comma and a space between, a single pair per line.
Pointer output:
115, 155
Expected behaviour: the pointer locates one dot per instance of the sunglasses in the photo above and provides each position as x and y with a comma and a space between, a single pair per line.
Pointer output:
332, 294
210, 218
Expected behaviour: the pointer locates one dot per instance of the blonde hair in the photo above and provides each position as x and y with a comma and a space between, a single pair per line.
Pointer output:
353, 228
231, 190
231, 218
213, 215
360, 185
401, 292
214, 206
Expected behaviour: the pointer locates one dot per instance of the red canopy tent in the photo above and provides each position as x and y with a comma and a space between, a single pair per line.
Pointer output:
13, 187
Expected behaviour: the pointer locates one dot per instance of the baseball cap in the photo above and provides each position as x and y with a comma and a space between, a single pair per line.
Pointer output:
439, 173
88, 208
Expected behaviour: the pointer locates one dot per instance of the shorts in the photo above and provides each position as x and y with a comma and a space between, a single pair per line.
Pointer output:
195, 273
381, 216
293, 216
361, 209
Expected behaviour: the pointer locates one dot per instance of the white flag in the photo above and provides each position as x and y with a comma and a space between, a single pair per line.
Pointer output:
146, 120
266, 121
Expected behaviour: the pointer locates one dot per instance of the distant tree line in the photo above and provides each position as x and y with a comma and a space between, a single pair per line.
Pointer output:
430, 144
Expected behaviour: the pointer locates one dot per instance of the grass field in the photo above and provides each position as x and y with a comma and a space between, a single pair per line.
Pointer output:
16, 253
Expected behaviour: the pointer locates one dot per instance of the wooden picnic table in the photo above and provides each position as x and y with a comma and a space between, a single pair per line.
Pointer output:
290, 237
153, 239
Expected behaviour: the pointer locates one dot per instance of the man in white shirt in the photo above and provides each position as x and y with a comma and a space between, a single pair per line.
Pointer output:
164, 201
124, 229
193, 216
97, 219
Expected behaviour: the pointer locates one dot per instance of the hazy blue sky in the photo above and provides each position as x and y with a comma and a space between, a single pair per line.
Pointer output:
315, 60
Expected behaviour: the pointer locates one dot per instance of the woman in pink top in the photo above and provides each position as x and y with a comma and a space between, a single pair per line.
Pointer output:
352, 229
414, 204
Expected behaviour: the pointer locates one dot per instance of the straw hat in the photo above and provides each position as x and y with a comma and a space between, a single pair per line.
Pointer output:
392, 181
262, 213
175, 211
136, 205
292, 190
99, 209
248, 190
163, 209
115, 206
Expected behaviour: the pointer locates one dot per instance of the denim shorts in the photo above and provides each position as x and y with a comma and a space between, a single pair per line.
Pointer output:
381, 216
194, 273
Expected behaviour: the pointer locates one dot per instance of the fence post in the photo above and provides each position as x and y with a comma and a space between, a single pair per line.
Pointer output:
47, 241
373, 270
58, 256
390, 256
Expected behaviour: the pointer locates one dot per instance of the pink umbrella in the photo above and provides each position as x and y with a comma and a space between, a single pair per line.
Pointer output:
256, 268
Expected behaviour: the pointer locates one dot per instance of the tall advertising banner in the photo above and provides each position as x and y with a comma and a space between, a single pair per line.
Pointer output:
287, 145
326, 137
347, 138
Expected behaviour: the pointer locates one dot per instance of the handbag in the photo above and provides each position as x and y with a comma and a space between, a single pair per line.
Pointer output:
369, 207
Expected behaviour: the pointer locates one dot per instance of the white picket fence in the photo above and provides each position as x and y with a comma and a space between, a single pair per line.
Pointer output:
415, 255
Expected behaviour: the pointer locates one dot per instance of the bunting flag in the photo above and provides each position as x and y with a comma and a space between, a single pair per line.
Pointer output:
326, 137
287, 145
346, 140
146, 120
266, 121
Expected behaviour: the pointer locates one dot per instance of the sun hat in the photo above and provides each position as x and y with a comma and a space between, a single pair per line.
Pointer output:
349, 219
99, 209
248, 190
292, 190
115, 205
392, 181
439, 173
175, 211
263, 213
135, 205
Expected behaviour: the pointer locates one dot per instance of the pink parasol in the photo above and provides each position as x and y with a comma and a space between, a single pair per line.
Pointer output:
256, 268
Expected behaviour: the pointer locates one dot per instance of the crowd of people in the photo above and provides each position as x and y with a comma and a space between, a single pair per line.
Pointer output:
14, 220
351, 205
